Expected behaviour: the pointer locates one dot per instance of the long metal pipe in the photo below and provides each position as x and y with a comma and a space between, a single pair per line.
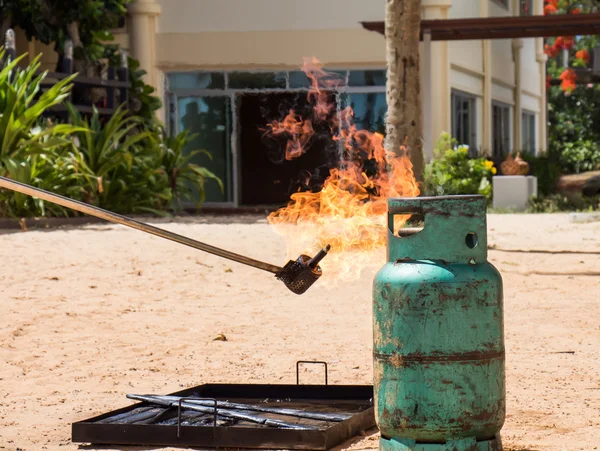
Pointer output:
119, 219
242, 416
322, 416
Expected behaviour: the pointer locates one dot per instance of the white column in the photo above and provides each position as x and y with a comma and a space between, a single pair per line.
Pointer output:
486, 48
426, 98
142, 36
517, 120
542, 58
436, 88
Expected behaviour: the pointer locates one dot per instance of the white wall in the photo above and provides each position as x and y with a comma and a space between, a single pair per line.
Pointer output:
530, 68
464, 8
193, 16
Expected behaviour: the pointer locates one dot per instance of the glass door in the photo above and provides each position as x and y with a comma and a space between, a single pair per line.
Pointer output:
208, 118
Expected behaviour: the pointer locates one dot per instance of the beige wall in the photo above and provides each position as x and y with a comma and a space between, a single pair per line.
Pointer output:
193, 16
268, 49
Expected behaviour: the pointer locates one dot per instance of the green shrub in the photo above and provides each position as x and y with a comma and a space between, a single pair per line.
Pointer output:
546, 168
121, 169
125, 163
31, 149
557, 203
452, 171
574, 128
21, 112
579, 156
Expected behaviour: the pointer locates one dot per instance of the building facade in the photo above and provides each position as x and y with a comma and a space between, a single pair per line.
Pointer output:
224, 66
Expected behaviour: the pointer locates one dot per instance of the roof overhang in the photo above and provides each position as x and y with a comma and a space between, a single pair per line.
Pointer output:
504, 27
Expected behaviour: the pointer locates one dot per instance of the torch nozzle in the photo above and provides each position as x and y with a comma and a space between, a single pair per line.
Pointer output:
313, 262
298, 275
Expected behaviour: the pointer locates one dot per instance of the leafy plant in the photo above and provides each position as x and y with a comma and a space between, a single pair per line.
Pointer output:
186, 179
143, 102
29, 148
580, 156
556, 203
546, 167
22, 107
452, 171
574, 131
117, 163
51, 172
121, 171
86, 23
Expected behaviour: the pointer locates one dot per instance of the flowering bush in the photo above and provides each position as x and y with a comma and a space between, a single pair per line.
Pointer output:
578, 55
452, 171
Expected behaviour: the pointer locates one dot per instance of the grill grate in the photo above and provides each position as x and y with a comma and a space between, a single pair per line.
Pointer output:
153, 425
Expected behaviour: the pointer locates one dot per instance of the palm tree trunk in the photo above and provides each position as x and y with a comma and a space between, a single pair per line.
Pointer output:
404, 124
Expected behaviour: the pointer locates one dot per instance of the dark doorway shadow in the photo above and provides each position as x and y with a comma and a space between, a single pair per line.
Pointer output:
267, 178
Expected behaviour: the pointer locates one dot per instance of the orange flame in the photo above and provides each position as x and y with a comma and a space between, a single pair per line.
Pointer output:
349, 211
300, 133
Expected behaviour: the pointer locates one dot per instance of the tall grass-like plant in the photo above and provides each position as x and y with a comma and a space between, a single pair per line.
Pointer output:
116, 163
21, 109
30, 150
117, 160
186, 179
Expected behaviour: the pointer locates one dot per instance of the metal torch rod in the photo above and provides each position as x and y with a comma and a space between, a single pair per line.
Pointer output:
237, 415
119, 219
266, 409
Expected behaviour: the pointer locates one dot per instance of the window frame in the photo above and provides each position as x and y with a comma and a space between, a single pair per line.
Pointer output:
528, 133
505, 139
455, 95
529, 4
172, 93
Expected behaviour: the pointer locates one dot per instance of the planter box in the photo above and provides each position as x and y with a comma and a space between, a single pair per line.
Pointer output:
513, 191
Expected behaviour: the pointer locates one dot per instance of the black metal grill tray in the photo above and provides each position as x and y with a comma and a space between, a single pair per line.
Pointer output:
352, 399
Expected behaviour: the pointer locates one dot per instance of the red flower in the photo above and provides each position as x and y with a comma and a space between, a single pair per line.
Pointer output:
568, 78
569, 42
583, 55
559, 43
551, 50
575, 11
549, 9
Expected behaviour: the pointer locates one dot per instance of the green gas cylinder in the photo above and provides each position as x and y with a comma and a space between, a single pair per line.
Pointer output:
438, 331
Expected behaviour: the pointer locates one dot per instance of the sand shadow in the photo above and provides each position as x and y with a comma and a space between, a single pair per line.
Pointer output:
8, 226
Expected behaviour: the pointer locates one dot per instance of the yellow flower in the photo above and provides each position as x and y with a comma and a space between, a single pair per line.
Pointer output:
494, 171
489, 165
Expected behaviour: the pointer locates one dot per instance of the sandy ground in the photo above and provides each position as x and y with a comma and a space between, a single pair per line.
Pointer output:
89, 314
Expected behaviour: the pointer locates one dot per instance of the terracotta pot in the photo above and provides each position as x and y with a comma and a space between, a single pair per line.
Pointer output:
514, 166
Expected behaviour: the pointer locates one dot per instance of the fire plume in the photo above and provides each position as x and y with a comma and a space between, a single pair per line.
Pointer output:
299, 131
349, 212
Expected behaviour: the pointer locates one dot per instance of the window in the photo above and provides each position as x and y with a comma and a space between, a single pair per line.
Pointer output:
528, 132
500, 129
334, 79
367, 78
256, 80
526, 7
208, 119
463, 119
227, 112
196, 80
369, 110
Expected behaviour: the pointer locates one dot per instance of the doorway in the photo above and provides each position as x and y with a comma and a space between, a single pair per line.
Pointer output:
267, 178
